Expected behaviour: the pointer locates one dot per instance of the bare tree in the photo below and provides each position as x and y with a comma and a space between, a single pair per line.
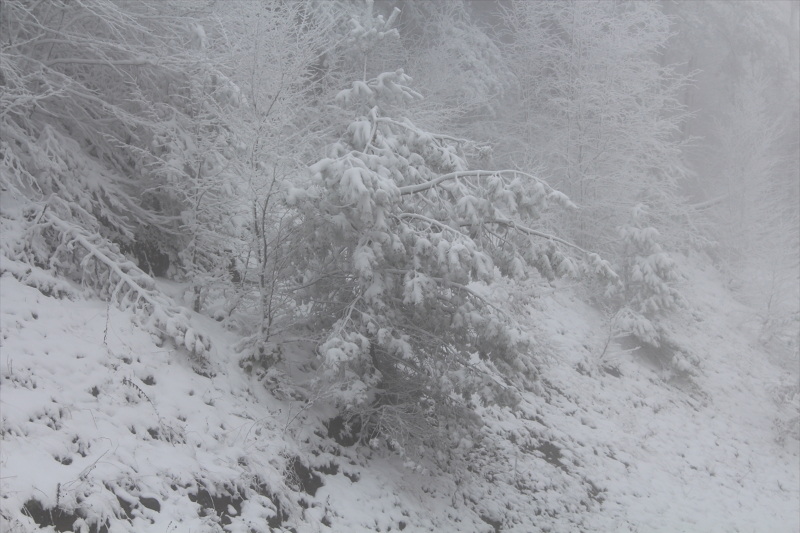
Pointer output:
756, 218
597, 110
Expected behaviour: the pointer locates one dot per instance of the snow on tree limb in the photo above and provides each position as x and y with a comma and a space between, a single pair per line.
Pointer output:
56, 231
535, 233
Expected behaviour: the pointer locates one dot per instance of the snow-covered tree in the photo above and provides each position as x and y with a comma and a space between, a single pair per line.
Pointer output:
755, 210
598, 110
398, 246
274, 59
456, 63
190, 173
647, 281
69, 103
79, 80
364, 42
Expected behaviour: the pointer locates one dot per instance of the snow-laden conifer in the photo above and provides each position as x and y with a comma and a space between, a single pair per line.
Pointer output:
398, 249
646, 292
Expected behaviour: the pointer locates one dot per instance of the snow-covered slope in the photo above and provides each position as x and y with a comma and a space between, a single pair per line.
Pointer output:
107, 428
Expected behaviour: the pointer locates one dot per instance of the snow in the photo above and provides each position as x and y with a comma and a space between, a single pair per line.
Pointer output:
102, 418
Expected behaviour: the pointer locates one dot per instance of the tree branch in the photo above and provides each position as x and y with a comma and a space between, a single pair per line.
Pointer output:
529, 231
431, 221
419, 131
709, 203
411, 189
81, 61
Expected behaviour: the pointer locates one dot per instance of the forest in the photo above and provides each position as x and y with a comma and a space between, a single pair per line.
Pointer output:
378, 265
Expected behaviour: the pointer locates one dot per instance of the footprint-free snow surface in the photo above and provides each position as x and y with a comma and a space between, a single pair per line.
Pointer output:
107, 428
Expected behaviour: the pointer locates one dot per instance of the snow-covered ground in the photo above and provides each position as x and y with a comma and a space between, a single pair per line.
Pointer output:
107, 428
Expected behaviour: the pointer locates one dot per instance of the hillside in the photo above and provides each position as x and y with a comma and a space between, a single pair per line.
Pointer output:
106, 428
399, 265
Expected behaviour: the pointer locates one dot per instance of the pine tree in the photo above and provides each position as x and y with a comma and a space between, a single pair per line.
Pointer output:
646, 293
399, 244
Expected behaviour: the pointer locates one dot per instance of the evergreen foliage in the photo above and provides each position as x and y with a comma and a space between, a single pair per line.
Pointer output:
648, 276
399, 246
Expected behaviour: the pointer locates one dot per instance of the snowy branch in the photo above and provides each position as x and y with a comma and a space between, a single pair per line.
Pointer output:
533, 232
132, 288
110, 63
710, 203
419, 187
